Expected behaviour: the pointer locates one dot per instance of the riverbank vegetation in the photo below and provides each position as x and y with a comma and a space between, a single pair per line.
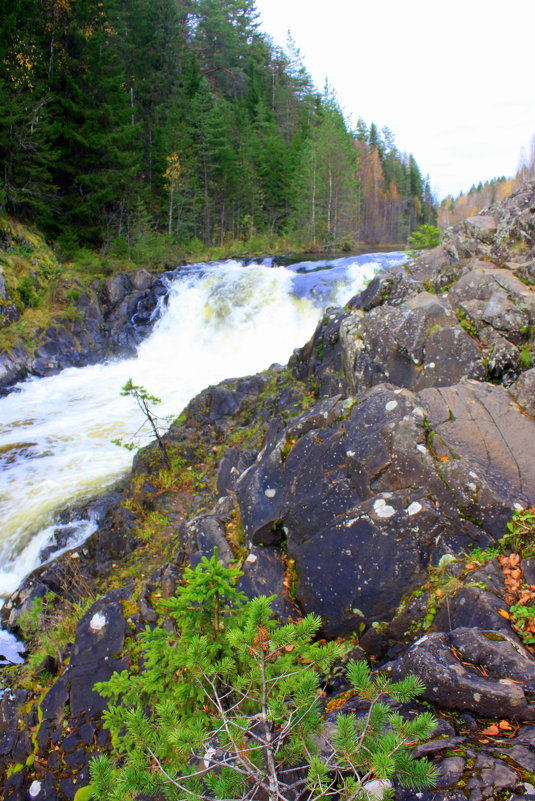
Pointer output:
149, 127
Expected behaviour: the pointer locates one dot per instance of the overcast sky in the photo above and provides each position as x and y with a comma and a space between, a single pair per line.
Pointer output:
454, 81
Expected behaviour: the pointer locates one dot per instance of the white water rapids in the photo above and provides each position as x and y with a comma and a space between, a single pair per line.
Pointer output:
222, 320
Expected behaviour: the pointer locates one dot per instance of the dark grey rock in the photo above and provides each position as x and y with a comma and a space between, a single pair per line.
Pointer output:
523, 756
489, 295
478, 424
500, 357
263, 574
53, 705
436, 746
472, 607
142, 280
85, 702
87, 732
503, 657
202, 535
77, 758
482, 227
360, 504
526, 734
117, 287
450, 770
417, 344
392, 288
490, 776
231, 466
99, 634
455, 685
112, 320
224, 402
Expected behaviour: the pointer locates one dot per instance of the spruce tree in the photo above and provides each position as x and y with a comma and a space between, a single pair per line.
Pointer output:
99, 162
27, 127
227, 705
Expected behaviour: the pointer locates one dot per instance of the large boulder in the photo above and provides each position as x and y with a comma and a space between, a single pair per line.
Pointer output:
480, 438
414, 345
365, 500
491, 296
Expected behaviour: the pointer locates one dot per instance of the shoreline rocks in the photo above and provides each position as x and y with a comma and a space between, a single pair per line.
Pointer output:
109, 319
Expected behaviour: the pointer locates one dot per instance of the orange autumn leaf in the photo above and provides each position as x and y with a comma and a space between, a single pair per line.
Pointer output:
504, 614
505, 726
491, 730
516, 573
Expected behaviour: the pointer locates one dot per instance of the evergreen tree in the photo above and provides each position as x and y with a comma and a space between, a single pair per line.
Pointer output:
99, 162
274, 167
226, 705
27, 154
152, 42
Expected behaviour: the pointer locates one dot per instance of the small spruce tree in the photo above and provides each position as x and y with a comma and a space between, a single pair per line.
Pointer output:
427, 236
227, 706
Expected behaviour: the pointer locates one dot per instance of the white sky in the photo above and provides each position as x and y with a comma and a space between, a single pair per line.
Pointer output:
454, 81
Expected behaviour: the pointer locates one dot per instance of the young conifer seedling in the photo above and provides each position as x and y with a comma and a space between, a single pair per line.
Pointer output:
228, 706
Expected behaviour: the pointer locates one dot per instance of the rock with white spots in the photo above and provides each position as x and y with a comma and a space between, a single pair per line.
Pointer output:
264, 573
360, 506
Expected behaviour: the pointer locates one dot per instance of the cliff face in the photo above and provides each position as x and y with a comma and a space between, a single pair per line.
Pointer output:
371, 482
53, 317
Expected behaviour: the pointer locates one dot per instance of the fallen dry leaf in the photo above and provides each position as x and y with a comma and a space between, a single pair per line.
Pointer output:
505, 726
491, 730
516, 574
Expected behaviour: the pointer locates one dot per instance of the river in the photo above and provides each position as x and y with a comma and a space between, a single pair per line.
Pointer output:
222, 320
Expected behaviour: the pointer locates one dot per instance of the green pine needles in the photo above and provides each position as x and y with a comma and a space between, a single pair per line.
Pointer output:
226, 704
427, 236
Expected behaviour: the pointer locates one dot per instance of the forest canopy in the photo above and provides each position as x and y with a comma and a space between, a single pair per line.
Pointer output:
180, 116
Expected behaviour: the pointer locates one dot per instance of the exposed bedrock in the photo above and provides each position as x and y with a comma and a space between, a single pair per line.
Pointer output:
367, 499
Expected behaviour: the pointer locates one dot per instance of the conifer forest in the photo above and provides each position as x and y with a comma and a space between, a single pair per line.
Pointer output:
119, 117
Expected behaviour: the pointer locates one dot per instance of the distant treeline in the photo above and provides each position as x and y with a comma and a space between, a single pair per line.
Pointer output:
179, 116
454, 210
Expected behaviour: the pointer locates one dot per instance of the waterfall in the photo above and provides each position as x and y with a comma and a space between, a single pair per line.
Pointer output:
222, 320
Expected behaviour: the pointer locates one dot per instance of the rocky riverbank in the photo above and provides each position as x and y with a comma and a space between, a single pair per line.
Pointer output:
54, 316
384, 480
